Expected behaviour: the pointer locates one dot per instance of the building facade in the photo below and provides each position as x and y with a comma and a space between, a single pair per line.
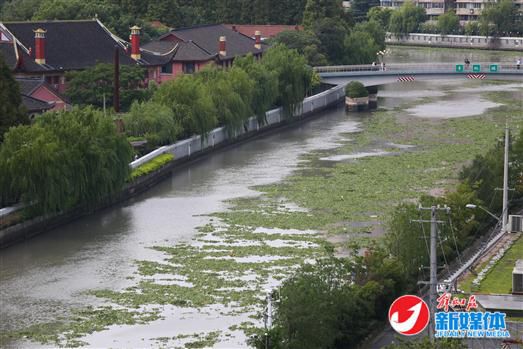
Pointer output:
467, 10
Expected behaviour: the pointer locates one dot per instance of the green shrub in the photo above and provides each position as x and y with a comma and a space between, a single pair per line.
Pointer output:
153, 121
151, 166
355, 89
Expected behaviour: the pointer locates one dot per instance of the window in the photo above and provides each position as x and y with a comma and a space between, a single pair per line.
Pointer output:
167, 68
477, 5
188, 67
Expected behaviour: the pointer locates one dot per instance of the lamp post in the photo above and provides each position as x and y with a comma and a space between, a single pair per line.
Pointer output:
472, 206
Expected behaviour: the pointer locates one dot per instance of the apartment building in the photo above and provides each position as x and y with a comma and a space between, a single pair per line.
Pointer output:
467, 10
470, 10
434, 8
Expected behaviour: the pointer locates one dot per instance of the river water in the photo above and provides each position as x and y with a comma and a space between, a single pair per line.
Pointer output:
42, 279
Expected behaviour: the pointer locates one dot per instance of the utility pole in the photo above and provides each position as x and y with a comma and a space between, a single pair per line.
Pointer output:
504, 214
433, 281
116, 87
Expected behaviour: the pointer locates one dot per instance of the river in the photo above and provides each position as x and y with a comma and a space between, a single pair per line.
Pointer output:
43, 279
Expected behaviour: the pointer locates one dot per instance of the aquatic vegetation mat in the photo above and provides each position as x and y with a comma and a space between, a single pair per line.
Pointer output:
261, 240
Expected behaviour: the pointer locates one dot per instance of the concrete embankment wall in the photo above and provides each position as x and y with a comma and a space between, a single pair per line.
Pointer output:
183, 151
457, 41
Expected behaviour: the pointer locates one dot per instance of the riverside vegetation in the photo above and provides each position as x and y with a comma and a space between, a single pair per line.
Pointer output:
263, 238
85, 161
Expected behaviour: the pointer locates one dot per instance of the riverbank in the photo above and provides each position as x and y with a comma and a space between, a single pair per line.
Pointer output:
207, 289
183, 151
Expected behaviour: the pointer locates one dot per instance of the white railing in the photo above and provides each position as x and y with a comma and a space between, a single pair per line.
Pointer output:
421, 68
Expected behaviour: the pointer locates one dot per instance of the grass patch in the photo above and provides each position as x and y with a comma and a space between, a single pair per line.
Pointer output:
151, 166
499, 279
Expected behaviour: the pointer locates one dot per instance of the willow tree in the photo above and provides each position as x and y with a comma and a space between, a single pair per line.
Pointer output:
191, 103
64, 160
294, 76
265, 90
231, 92
153, 121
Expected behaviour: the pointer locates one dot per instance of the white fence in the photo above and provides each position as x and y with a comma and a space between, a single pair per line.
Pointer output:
460, 41
188, 147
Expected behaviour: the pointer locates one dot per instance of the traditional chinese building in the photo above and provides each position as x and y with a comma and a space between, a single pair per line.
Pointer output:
46, 50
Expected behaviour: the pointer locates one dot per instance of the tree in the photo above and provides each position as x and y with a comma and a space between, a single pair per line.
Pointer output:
316, 10
153, 121
380, 15
294, 76
356, 89
448, 23
12, 112
64, 160
231, 92
360, 8
360, 48
265, 85
191, 103
305, 42
501, 16
376, 30
89, 86
407, 19
330, 33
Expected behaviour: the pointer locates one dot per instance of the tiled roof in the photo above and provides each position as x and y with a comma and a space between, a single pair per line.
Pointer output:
8, 52
27, 86
180, 51
267, 30
35, 105
162, 47
207, 37
71, 44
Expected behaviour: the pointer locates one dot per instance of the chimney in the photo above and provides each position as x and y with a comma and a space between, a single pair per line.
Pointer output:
222, 46
234, 28
40, 45
135, 43
257, 38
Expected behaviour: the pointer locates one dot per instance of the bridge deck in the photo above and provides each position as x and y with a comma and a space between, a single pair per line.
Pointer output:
394, 72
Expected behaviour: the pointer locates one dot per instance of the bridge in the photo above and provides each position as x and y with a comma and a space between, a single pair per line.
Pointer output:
371, 75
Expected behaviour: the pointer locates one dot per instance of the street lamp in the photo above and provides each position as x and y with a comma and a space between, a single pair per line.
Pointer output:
472, 206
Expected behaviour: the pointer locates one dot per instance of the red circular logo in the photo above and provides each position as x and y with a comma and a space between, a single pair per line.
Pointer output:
409, 315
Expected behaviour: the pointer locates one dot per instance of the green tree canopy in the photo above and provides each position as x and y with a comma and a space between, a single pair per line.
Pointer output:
448, 23
294, 76
153, 121
316, 10
265, 90
499, 18
360, 48
191, 103
88, 87
65, 159
407, 19
360, 8
330, 33
12, 112
380, 15
305, 42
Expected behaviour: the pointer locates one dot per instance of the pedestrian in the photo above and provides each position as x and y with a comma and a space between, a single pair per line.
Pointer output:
467, 63
383, 66
518, 63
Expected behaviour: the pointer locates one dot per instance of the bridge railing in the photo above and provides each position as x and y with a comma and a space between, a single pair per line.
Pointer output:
420, 68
